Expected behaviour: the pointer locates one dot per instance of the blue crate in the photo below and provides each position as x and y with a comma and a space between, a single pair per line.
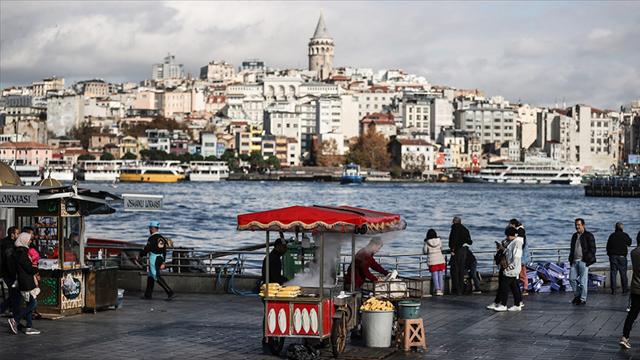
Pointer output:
595, 277
555, 286
545, 289
554, 267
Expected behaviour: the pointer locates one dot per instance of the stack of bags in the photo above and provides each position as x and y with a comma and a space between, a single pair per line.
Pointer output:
275, 290
289, 291
548, 277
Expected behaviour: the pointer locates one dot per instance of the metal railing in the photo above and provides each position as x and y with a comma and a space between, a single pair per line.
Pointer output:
225, 262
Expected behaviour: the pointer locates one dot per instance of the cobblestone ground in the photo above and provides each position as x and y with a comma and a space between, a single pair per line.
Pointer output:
228, 327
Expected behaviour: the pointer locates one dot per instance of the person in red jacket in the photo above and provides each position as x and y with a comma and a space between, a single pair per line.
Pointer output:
364, 262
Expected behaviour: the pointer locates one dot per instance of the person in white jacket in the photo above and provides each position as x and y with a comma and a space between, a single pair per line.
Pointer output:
509, 277
437, 265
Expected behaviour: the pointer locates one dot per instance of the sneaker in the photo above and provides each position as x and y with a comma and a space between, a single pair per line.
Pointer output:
439, 293
625, 343
521, 305
515, 308
500, 308
628, 308
581, 302
493, 306
31, 331
477, 292
171, 296
14, 326
576, 300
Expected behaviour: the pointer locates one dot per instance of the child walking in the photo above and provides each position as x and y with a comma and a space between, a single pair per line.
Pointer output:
433, 249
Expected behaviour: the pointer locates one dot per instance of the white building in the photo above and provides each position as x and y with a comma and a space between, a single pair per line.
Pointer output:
413, 155
218, 71
168, 69
492, 122
416, 112
441, 116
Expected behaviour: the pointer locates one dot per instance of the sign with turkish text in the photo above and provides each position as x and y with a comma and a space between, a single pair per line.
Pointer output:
18, 198
142, 202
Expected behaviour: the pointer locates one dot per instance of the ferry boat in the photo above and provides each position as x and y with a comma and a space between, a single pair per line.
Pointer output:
351, 174
153, 172
208, 170
59, 169
29, 174
523, 173
100, 170
377, 176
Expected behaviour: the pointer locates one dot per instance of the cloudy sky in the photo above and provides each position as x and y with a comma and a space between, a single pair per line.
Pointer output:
542, 53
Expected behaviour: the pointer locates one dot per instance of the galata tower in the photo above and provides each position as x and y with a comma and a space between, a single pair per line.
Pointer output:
321, 51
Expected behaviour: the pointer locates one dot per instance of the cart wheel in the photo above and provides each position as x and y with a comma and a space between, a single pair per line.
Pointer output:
339, 334
274, 345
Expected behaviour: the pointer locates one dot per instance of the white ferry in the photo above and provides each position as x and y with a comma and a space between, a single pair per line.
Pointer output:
59, 169
101, 170
153, 172
208, 170
523, 173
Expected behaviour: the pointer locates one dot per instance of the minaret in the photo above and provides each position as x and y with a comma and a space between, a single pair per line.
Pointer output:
321, 51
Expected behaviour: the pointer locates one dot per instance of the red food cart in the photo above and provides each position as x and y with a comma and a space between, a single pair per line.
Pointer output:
318, 313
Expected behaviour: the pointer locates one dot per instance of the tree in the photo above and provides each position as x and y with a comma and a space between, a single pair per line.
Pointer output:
273, 162
326, 153
212, 158
128, 156
107, 156
257, 162
370, 151
86, 157
83, 133
154, 155
159, 122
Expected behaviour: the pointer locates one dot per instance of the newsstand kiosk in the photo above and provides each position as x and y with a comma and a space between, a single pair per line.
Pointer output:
56, 212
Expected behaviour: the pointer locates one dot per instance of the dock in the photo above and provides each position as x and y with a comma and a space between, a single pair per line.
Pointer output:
206, 326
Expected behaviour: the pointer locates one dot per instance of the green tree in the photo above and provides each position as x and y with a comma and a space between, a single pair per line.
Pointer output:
212, 158
257, 162
86, 157
128, 156
107, 156
154, 155
83, 133
370, 151
273, 162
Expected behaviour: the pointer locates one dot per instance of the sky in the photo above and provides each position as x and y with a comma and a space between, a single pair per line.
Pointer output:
541, 53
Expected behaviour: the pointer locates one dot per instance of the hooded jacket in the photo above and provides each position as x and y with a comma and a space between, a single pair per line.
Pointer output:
513, 254
433, 249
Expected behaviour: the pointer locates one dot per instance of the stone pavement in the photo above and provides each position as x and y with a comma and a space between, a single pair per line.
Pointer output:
228, 327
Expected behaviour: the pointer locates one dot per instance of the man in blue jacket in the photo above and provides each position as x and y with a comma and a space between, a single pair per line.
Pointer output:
582, 255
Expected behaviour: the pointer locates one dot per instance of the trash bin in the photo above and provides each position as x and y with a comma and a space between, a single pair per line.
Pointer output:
120, 300
408, 310
377, 327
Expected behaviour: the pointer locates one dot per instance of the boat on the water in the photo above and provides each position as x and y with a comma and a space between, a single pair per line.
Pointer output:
526, 173
208, 170
59, 169
153, 172
101, 170
351, 174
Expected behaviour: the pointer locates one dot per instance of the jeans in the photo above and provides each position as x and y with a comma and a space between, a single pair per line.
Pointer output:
509, 283
631, 315
579, 278
473, 274
618, 264
458, 270
26, 312
437, 277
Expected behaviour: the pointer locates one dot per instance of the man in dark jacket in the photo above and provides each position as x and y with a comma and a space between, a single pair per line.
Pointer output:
24, 271
275, 263
617, 252
581, 256
458, 236
635, 296
156, 250
7, 275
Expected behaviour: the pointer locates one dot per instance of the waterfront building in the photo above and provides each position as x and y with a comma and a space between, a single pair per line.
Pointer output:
167, 70
159, 139
321, 51
26, 153
493, 121
208, 144
282, 123
383, 123
594, 136
413, 156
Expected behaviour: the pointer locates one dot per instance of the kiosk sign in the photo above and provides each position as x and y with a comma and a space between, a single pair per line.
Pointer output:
142, 202
18, 198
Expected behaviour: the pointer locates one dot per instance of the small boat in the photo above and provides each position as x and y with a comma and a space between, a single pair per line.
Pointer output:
153, 172
351, 174
101, 170
208, 170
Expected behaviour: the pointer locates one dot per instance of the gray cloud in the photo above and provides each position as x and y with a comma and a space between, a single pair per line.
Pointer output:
535, 52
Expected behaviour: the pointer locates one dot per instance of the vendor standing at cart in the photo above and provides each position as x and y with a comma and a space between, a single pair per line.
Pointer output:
275, 262
363, 262
156, 249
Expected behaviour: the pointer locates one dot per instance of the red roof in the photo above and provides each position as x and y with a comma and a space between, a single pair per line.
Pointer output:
378, 119
413, 142
25, 145
340, 219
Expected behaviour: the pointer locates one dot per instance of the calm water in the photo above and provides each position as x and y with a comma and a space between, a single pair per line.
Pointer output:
203, 215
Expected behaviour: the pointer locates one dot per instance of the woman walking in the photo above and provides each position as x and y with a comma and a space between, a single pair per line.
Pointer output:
433, 249
25, 272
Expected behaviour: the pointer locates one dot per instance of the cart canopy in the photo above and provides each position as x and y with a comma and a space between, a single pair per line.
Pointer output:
316, 218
